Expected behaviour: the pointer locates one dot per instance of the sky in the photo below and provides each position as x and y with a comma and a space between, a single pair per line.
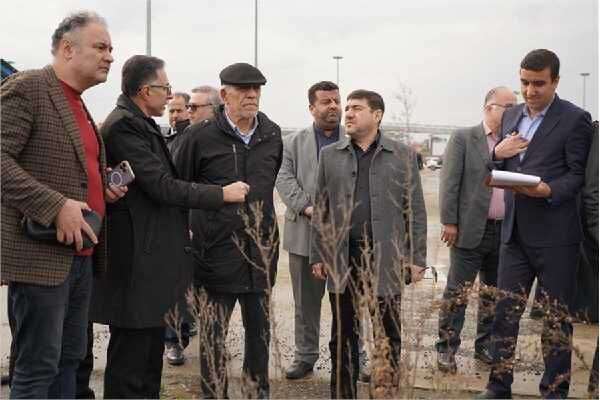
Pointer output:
449, 53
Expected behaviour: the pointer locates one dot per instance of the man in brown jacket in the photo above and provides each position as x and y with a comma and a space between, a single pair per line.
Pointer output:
53, 168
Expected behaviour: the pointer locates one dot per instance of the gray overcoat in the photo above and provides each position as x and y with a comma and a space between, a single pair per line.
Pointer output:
398, 216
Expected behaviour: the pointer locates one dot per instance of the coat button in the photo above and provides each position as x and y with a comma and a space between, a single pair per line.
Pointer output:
353, 173
84, 185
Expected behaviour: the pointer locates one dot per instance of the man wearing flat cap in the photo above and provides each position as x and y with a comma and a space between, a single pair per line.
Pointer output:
235, 248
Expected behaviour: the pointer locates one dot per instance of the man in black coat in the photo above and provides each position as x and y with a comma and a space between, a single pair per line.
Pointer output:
148, 268
241, 143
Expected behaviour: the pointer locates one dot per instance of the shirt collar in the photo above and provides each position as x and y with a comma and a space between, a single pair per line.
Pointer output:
236, 129
544, 111
486, 129
321, 132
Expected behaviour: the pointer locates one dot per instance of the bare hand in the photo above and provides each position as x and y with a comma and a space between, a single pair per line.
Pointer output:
449, 234
113, 193
318, 271
540, 190
235, 192
417, 273
510, 146
69, 224
308, 211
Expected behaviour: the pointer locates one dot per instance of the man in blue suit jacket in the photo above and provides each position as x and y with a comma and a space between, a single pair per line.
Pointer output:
541, 232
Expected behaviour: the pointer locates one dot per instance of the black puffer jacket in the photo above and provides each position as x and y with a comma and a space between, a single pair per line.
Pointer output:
214, 154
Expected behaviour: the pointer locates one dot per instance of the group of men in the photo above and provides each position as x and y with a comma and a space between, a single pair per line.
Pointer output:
200, 215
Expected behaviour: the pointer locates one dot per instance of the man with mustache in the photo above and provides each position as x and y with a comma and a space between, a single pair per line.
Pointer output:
233, 265
374, 182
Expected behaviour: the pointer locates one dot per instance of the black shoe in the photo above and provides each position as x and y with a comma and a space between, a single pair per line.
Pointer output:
299, 370
484, 355
175, 355
488, 394
5, 379
364, 375
446, 362
193, 329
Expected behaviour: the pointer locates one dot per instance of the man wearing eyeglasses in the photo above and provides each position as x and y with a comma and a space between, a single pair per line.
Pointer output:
202, 104
148, 267
471, 215
200, 108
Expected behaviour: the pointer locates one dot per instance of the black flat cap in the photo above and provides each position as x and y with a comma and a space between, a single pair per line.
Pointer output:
241, 74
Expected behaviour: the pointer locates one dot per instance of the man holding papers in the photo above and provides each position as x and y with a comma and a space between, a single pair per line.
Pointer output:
550, 138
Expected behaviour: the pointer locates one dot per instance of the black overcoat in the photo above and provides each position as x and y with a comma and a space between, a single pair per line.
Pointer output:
149, 268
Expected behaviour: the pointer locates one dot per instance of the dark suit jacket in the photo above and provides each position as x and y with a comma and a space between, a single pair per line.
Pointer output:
43, 165
557, 153
464, 197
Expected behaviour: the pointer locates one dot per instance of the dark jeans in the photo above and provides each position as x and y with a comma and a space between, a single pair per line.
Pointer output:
134, 363
86, 366
465, 264
49, 328
554, 268
212, 332
171, 338
345, 310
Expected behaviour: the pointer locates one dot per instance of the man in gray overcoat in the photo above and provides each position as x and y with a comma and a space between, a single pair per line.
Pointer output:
369, 235
471, 214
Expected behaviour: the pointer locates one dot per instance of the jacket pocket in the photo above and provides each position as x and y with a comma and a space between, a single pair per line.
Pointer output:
290, 215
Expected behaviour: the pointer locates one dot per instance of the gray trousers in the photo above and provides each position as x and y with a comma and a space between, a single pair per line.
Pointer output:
465, 264
308, 293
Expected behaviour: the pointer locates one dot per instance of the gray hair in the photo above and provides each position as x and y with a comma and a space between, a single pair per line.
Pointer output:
72, 23
492, 93
183, 95
213, 94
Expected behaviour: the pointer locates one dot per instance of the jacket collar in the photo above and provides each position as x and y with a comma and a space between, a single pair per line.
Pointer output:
58, 97
264, 128
125, 102
384, 142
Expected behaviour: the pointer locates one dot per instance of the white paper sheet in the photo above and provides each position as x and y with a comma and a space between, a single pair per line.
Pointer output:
505, 178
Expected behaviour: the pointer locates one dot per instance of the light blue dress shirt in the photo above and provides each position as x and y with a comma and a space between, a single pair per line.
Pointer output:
247, 137
529, 126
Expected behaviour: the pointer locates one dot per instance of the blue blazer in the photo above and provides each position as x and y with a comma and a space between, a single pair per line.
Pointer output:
558, 154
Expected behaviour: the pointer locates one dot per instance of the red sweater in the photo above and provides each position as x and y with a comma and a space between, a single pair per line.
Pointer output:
95, 194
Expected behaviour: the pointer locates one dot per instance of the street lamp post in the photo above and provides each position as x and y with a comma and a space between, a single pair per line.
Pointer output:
256, 33
337, 69
584, 75
148, 27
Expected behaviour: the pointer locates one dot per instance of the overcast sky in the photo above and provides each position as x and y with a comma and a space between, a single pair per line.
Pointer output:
449, 52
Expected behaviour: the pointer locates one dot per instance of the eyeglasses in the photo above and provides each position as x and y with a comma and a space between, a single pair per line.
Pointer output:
193, 107
166, 87
501, 105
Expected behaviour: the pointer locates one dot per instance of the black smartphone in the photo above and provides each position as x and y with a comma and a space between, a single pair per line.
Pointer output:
121, 175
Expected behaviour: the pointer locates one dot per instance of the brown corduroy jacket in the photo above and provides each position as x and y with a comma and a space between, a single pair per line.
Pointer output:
43, 164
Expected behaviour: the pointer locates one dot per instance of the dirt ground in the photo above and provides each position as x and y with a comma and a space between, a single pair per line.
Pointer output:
418, 339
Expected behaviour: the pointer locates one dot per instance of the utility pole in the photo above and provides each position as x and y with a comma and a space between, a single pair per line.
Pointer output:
148, 27
584, 75
256, 33
337, 61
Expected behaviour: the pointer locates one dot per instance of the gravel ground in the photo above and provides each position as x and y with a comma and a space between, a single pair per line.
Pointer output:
419, 334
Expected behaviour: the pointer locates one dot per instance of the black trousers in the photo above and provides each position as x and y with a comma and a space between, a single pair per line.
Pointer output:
212, 333
554, 268
465, 264
345, 327
134, 363
86, 366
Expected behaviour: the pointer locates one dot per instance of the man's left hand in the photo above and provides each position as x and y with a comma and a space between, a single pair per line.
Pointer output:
113, 193
542, 190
